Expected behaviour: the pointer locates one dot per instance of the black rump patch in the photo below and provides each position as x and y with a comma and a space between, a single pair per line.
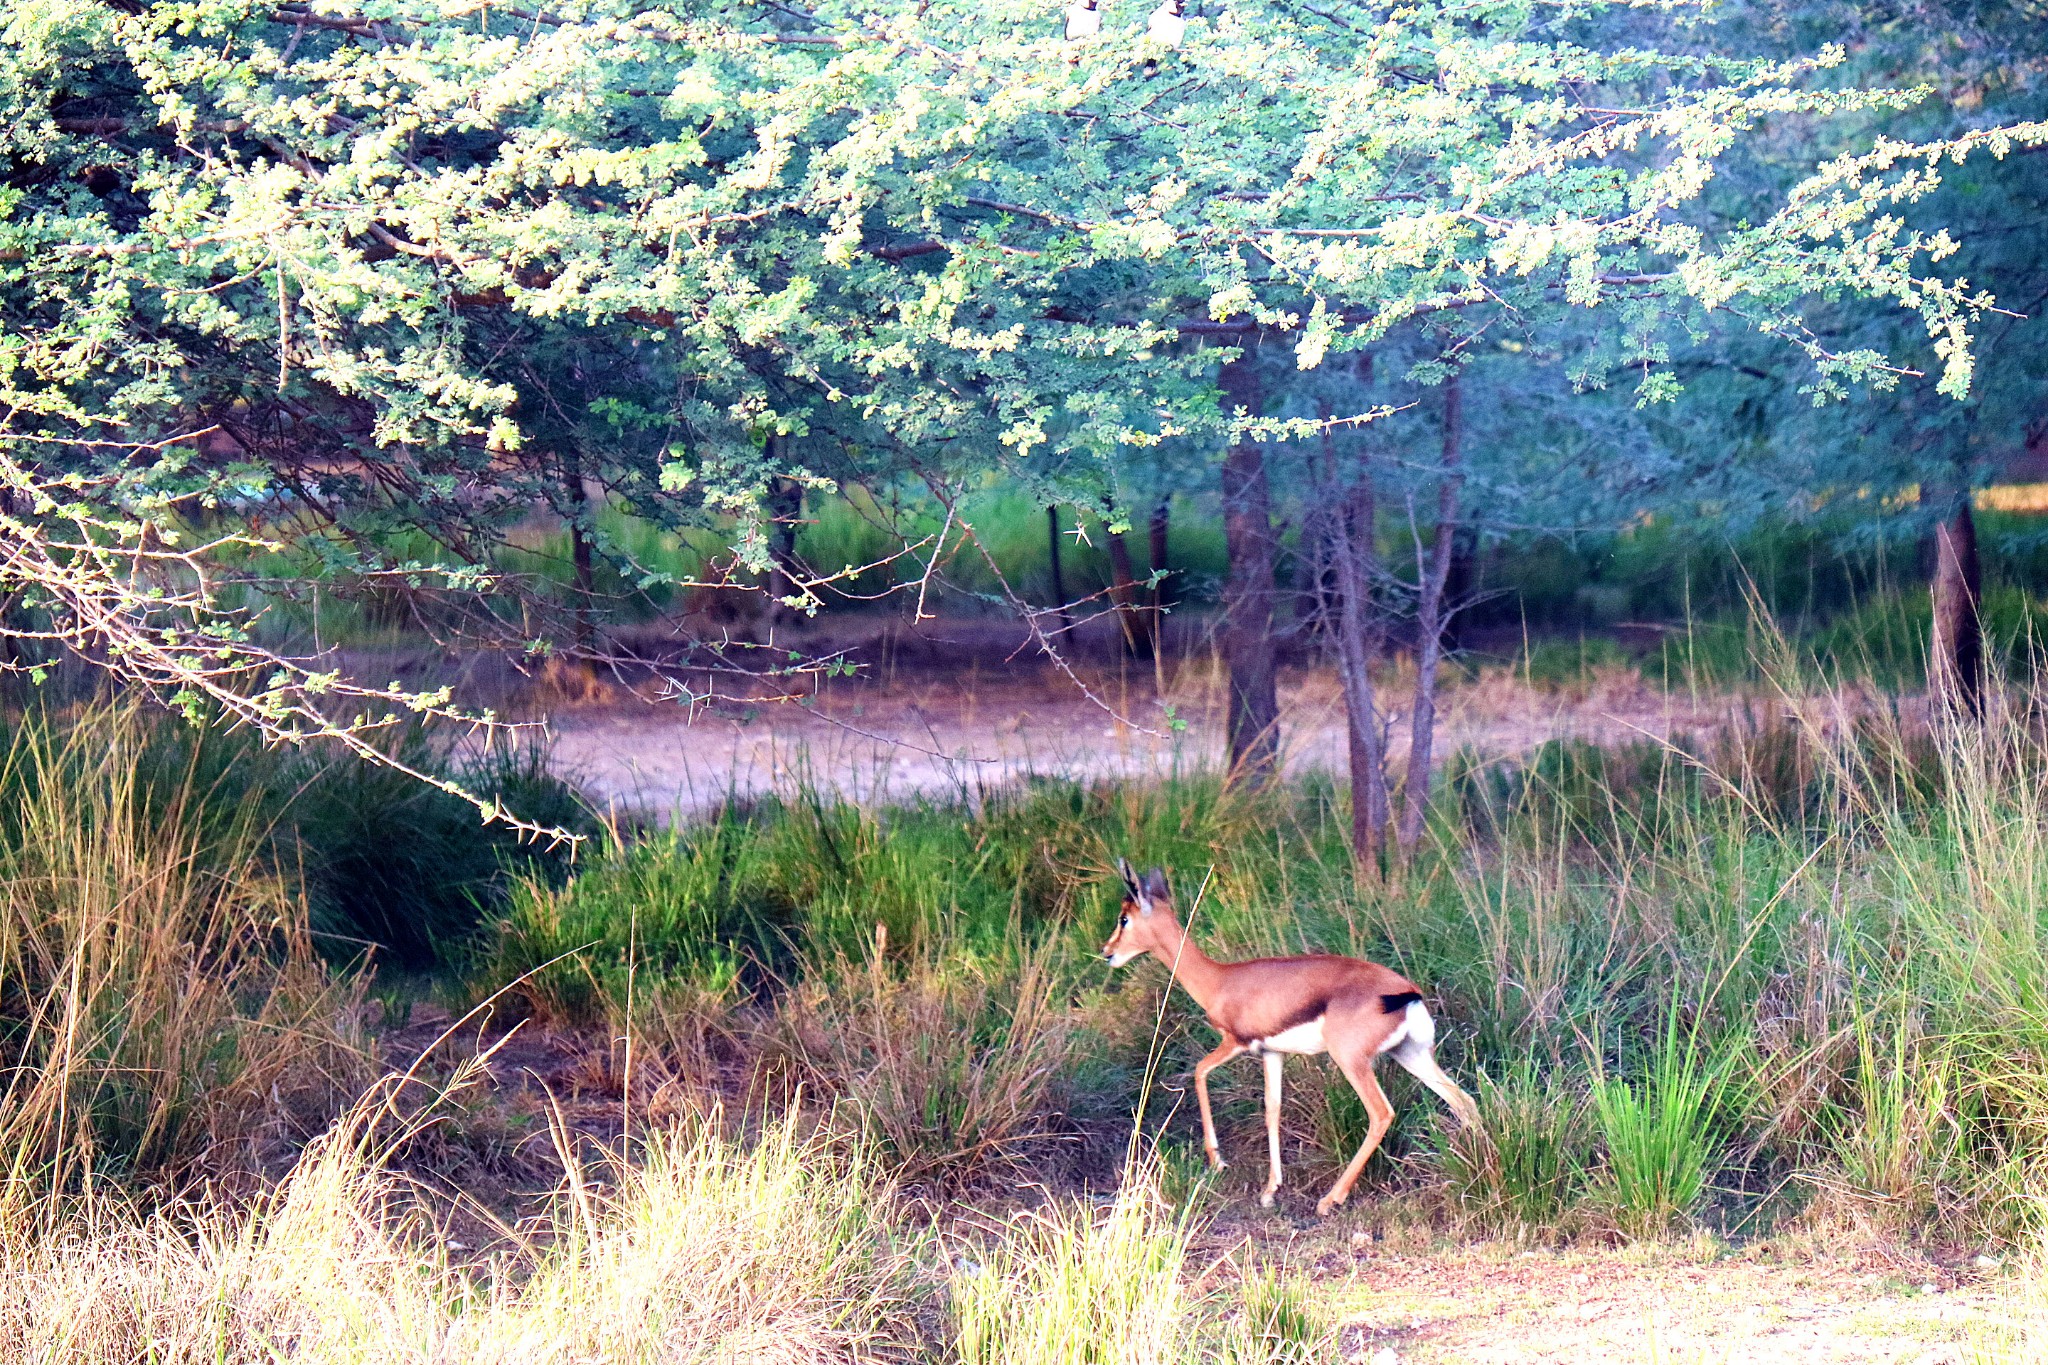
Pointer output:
1396, 1001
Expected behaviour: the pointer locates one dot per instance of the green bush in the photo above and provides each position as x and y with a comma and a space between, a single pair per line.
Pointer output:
1521, 1171
1660, 1133
386, 861
698, 914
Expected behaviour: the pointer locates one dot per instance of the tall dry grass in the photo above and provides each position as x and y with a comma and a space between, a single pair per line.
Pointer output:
162, 1010
952, 1066
698, 1249
1066, 1286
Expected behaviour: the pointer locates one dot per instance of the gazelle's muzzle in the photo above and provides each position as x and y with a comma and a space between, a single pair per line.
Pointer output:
1116, 958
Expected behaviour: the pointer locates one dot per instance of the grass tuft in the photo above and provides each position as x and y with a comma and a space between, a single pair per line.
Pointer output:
951, 1066
1071, 1286
1659, 1132
1520, 1172
1277, 1322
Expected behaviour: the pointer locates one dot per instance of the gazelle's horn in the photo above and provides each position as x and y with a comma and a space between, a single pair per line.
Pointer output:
1134, 887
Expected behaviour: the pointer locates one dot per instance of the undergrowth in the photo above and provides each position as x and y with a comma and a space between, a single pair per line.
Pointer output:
1671, 950
1801, 963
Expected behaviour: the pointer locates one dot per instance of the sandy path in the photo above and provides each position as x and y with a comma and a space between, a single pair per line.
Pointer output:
1491, 1305
959, 734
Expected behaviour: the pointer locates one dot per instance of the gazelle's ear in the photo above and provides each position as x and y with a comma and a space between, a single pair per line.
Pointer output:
1134, 887
1155, 885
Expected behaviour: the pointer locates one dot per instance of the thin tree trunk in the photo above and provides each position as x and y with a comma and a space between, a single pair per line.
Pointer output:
1123, 591
1955, 652
1458, 584
1358, 640
1429, 620
1253, 722
580, 556
1156, 542
1059, 574
785, 512
1162, 586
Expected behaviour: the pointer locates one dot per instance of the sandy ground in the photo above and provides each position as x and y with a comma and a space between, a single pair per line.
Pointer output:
1494, 1305
957, 733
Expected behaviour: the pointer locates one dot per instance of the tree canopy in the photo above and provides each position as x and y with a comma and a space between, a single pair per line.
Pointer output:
324, 273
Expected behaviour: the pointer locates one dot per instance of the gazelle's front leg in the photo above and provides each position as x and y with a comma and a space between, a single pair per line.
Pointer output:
1225, 1050
1273, 1060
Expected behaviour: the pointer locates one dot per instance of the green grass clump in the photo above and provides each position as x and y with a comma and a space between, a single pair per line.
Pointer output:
1659, 1132
694, 910
1276, 1322
1522, 1171
1895, 1141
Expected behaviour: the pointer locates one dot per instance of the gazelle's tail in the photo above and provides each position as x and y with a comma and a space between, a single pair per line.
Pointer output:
1417, 1052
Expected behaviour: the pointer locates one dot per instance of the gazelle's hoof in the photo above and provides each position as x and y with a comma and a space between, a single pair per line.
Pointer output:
1265, 1199
1327, 1203
1216, 1161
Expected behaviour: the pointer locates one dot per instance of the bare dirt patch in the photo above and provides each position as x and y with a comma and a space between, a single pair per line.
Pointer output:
1700, 1302
959, 708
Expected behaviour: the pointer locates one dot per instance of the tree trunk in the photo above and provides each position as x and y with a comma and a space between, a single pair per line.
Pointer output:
1253, 721
1955, 651
1059, 575
1458, 585
1429, 623
1131, 614
785, 513
1358, 640
1156, 537
580, 556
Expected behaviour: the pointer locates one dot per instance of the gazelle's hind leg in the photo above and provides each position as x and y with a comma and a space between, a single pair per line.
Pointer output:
1357, 1069
1273, 1060
1417, 1052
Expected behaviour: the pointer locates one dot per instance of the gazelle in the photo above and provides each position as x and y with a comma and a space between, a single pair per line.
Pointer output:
1276, 1006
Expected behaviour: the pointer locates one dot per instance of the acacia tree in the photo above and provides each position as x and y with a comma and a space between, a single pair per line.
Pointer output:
920, 237
1750, 430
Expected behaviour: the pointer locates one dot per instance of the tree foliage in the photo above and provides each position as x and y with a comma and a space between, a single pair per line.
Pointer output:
321, 274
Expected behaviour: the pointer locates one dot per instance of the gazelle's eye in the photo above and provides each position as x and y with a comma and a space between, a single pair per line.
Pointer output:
1124, 923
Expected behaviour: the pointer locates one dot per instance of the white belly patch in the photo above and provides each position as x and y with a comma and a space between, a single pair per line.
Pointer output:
1303, 1040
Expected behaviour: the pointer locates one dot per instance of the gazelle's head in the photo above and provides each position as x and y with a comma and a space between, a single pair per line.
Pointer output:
1144, 920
